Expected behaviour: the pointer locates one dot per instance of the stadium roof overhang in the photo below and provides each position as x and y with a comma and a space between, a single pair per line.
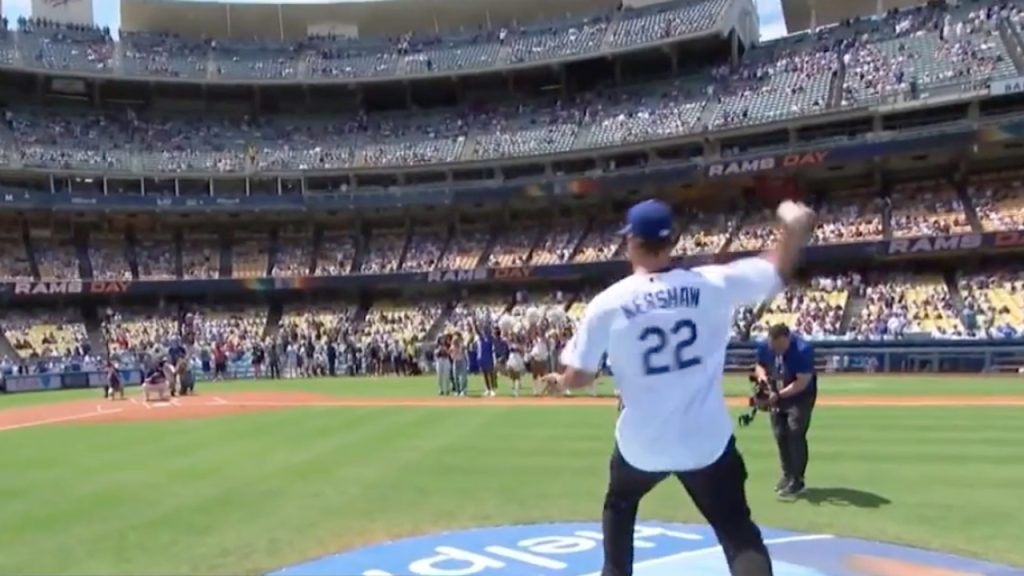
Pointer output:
803, 15
289, 21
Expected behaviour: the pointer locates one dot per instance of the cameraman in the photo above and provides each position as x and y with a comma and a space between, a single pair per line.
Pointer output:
785, 366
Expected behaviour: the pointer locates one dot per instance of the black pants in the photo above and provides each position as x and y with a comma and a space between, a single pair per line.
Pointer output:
275, 369
790, 424
719, 493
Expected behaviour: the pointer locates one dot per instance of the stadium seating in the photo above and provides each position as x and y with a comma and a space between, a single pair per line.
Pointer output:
465, 250
424, 249
705, 233
557, 245
294, 256
513, 247
602, 242
156, 258
999, 200
56, 258
384, 253
927, 208
854, 216
993, 304
140, 329
316, 320
337, 252
906, 305
45, 333
200, 257
108, 256
250, 257
403, 322
14, 261
816, 310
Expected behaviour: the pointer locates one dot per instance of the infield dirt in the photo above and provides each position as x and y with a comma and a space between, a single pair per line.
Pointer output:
209, 405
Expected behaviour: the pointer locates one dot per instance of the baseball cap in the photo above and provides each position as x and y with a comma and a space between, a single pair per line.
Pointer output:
649, 220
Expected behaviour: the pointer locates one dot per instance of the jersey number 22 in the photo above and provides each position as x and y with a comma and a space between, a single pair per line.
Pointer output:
656, 339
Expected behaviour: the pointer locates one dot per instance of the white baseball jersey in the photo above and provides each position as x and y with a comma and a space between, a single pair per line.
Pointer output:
666, 335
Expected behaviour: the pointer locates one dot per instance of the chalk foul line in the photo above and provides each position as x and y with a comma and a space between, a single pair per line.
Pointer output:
59, 419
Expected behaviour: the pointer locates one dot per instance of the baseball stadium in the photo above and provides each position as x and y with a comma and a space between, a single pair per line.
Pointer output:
250, 255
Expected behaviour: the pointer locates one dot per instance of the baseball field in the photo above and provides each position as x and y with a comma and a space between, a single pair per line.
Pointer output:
248, 477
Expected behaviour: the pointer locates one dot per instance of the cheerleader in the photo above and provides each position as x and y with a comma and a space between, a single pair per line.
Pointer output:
538, 359
516, 364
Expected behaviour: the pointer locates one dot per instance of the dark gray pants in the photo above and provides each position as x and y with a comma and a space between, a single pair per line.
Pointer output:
790, 424
719, 493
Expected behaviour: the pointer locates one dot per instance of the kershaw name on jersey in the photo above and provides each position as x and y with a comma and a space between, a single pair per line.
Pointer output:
662, 299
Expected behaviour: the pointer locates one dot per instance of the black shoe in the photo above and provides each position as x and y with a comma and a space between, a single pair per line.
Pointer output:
795, 488
783, 483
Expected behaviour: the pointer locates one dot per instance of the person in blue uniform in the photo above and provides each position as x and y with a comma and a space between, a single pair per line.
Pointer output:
787, 359
485, 358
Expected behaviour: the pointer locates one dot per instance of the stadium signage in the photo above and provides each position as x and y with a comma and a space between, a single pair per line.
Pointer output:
935, 244
48, 288
1009, 86
108, 287
475, 275
661, 549
1008, 239
768, 163
519, 273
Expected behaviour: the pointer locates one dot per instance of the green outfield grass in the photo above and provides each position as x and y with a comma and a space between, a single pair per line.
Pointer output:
254, 492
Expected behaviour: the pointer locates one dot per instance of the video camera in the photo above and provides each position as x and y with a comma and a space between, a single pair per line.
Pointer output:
759, 399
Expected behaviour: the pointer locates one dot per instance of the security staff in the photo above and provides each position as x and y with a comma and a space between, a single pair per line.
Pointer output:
788, 360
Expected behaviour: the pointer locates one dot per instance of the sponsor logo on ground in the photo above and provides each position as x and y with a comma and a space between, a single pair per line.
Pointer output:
662, 549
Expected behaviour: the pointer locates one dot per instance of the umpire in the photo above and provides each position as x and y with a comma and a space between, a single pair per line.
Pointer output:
785, 364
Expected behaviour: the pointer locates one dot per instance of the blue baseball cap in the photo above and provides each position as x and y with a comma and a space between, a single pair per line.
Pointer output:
649, 220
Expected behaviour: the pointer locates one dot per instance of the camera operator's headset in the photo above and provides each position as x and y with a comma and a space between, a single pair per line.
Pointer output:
758, 401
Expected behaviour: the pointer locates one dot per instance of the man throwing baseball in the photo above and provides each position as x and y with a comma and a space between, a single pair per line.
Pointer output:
665, 331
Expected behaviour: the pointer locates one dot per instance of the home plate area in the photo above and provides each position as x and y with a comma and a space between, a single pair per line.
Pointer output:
662, 549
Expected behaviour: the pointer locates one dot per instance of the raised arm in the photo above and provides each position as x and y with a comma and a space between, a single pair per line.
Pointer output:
750, 281
798, 223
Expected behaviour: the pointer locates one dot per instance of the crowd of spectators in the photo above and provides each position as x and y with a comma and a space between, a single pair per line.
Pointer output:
464, 249
424, 249
109, 258
900, 306
14, 261
336, 255
815, 309
200, 257
999, 201
854, 220
602, 242
384, 252
294, 256
904, 53
993, 304
56, 258
514, 247
930, 208
43, 334
919, 209
156, 257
